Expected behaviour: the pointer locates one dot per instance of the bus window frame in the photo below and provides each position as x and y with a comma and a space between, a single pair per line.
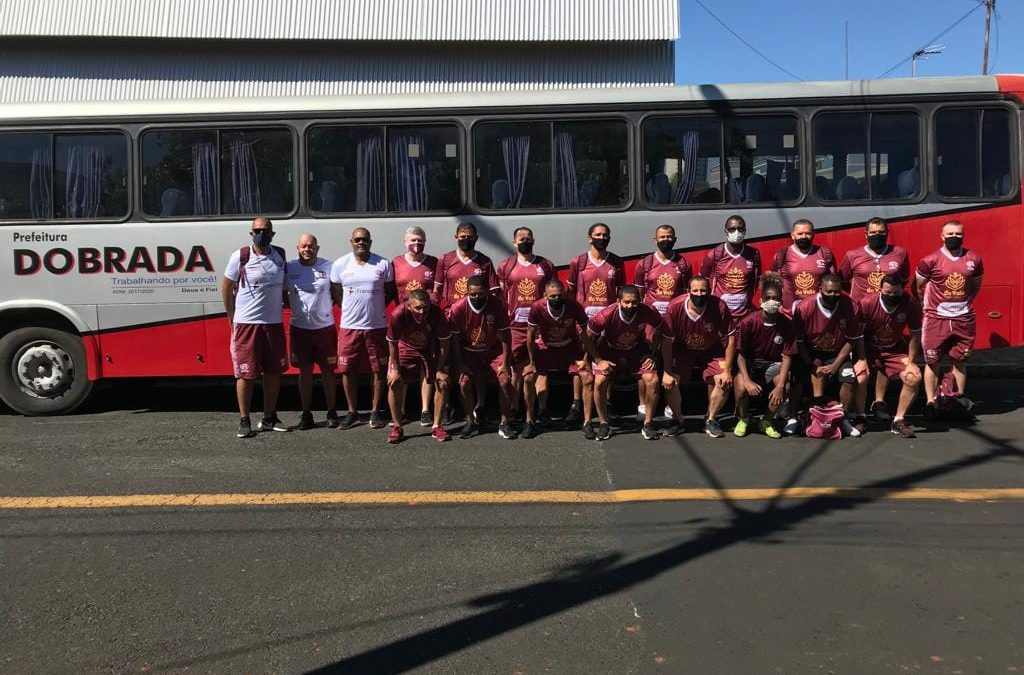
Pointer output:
72, 129
384, 122
233, 125
797, 114
1015, 121
631, 146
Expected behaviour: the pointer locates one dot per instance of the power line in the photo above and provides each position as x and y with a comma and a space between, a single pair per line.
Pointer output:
752, 47
931, 41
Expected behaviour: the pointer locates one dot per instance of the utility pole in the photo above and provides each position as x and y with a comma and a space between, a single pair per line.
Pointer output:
989, 6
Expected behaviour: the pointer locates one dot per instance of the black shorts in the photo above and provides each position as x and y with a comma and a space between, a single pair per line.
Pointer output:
844, 374
764, 372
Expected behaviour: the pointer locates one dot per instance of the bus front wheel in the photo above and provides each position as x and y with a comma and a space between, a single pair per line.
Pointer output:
42, 371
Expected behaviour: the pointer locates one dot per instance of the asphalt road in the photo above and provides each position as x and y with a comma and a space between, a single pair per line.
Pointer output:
870, 584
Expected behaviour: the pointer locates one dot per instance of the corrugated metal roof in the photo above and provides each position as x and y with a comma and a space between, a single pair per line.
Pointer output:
500, 20
76, 71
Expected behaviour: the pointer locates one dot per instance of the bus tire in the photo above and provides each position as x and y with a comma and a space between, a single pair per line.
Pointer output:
43, 371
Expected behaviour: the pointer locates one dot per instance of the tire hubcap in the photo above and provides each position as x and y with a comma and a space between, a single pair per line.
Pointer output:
44, 370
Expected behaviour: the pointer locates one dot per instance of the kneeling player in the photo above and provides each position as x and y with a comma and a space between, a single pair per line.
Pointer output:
418, 344
885, 319
765, 342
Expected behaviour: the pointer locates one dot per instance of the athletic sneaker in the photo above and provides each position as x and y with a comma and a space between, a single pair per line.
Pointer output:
713, 429
439, 434
574, 417
377, 420
676, 428
529, 430
272, 423
740, 429
649, 432
543, 418
848, 429
588, 431
306, 422
930, 411
860, 423
426, 419
881, 411
901, 428
332, 419
351, 419
769, 430
396, 435
641, 412
604, 432
245, 428
446, 415
792, 427
469, 430
506, 431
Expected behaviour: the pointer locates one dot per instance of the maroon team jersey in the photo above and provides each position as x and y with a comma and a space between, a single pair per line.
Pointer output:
478, 331
758, 340
826, 332
864, 269
660, 280
524, 285
419, 335
733, 276
453, 272
596, 284
698, 332
557, 330
413, 276
614, 332
884, 331
945, 294
802, 273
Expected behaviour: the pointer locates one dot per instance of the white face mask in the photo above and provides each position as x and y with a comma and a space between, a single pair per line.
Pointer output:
735, 237
771, 306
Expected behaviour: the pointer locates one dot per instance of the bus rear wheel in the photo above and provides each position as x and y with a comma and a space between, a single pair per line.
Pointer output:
42, 371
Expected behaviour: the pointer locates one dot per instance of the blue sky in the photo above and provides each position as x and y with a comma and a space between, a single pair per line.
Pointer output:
806, 38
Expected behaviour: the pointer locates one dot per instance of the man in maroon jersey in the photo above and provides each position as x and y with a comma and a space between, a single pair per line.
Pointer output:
553, 345
622, 350
414, 269
765, 344
594, 279
418, 340
522, 277
698, 333
802, 265
829, 339
948, 280
885, 317
733, 268
863, 268
483, 348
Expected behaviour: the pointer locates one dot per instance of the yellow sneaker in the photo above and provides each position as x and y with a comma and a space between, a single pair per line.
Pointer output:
768, 430
741, 429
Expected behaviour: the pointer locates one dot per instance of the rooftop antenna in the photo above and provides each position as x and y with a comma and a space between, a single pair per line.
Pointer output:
921, 54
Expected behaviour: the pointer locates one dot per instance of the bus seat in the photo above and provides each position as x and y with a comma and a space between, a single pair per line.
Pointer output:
175, 202
588, 192
733, 191
501, 194
848, 188
658, 189
1003, 185
823, 187
755, 191
773, 177
909, 182
329, 196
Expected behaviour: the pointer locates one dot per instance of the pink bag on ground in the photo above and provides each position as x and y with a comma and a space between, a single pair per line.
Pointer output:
825, 421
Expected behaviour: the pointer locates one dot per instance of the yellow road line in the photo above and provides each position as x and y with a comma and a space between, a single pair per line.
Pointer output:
511, 497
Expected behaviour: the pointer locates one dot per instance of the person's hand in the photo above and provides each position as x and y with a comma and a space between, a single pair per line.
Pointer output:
752, 388
912, 370
723, 380
860, 370
393, 376
826, 371
529, 369
776, 396
669, 381
604, 366
648, 364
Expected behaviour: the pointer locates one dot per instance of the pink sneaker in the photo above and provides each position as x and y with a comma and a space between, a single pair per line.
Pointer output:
439, 434
396, 435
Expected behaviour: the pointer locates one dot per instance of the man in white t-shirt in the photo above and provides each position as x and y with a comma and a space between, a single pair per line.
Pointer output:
314, 337
253, 295
366, 284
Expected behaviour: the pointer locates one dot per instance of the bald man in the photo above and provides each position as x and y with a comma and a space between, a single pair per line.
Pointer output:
314, 338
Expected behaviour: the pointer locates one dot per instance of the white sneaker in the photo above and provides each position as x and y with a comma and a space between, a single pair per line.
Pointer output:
668, 413
849, 429
641, 412
792, 427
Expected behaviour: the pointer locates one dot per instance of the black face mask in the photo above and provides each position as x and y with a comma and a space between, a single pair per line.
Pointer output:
876, 242
699, 301
891, 301
953, 243
262, 238
478, 303
465, 244
525, 247
830, 302
628, 312
804, 244
666, 246
556, 303
599, 244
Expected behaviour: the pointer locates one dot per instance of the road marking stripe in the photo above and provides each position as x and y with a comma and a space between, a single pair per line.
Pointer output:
511, 497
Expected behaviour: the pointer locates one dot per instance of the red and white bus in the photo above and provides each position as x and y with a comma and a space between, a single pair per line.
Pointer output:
119, 218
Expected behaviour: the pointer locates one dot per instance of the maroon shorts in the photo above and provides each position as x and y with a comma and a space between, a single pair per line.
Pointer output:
565, 359
953, 337
890, 363
317, 347
414, 365
258, 349
710, 363
362, 351
481, 365
628, 363
520, 357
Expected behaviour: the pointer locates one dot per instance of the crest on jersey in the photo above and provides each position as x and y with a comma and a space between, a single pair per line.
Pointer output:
626, 341
893, 265
777, 339
826, 342
413, 285
476, 338
820, 262
901, 317
598, 292
611, 273
970, 265
735, 279
955, 285
666, 284
477, 270
417, 339
875, 281
804, 283
696, 341
427, 274
461, 287
527, 290
556, 332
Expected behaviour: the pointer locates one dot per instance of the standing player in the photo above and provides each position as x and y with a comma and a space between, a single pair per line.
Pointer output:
522, 277
733, 269
698, 333
365, 283
314, 337
948, 281
553, 345
802, 265
483, 347
765, 344
885, 318
863, 268
418, 341
253, 295
622, 350
415, 269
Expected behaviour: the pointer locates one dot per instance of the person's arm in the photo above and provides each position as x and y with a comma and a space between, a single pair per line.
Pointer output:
640, 278
724, 379
531, 348
670, 378
228, 290
439, 281
846, 273
441, 379
587, 338
337, 293
778, 393
506, 351
973, 287
393, 373
390, 292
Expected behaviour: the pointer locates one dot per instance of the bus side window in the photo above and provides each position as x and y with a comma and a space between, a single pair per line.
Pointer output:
959, 135
513, 165
848, 169
682, 160
26, 177
590, 164
762, 159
